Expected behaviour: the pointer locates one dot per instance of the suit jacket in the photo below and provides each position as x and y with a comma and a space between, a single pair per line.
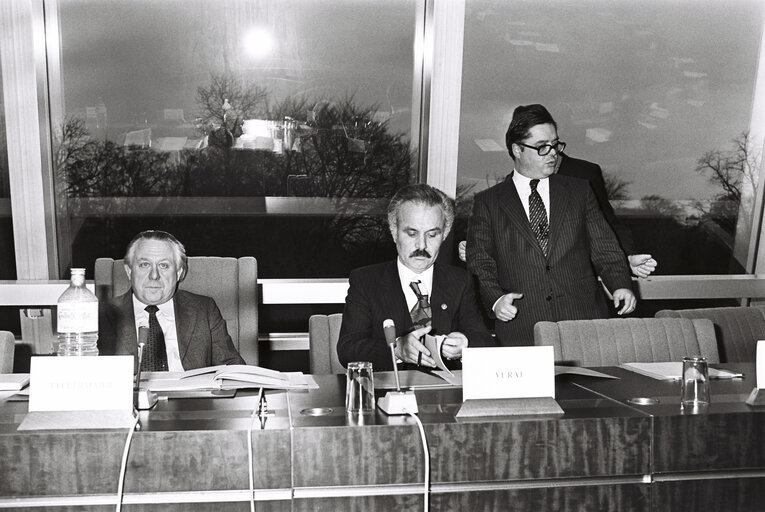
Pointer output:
202, 336
504, 255
592, 172
375, 294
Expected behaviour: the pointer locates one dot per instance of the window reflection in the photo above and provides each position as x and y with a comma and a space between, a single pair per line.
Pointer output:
277, 129
659, 94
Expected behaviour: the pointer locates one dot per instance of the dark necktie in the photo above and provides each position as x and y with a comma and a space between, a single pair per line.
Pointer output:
421, 311
154, 353
538, 217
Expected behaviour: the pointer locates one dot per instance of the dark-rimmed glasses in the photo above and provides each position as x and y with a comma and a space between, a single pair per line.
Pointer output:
545, 149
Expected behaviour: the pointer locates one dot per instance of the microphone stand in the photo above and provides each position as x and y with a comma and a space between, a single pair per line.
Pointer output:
399, 401
145, 399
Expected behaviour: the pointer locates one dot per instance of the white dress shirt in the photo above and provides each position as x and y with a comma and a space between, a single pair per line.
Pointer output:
522, 185
166, 318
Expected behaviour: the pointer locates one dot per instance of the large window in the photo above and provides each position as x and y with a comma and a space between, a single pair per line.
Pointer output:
7, 258
271, 128
659, 93
9, 317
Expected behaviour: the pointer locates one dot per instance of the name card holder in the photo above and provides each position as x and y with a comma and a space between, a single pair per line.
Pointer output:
757, 396
80, 393
508, 381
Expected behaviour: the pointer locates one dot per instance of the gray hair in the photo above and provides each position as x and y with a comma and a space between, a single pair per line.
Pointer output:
422, 194
181, 260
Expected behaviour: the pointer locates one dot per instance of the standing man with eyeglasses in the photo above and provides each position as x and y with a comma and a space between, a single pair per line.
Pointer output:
538, 240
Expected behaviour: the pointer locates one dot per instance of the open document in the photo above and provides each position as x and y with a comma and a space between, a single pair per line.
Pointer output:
434, 344
235, 376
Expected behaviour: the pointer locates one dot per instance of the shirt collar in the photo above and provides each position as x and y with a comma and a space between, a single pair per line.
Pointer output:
166, 309
407, 275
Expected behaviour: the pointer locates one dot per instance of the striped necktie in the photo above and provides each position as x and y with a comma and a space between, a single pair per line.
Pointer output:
538, 217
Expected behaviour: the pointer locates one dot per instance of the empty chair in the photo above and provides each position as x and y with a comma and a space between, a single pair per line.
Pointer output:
737, 329
7, 348
615, 341
323, 332
232, 282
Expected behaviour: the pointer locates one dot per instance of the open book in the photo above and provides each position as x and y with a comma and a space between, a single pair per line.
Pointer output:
674, 371
227, 377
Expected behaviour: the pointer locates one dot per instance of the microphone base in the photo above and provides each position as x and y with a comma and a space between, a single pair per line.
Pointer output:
145, 399
398, 402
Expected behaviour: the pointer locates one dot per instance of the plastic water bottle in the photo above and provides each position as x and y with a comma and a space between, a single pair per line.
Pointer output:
77, 324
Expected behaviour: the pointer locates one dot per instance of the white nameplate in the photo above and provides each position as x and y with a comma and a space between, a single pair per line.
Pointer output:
86, 383
760, 368
508, 372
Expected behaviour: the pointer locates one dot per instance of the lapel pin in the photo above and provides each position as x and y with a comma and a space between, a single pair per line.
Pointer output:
443, 306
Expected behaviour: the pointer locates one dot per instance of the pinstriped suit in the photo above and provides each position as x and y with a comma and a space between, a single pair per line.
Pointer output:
375, 294
591, 172
505, 256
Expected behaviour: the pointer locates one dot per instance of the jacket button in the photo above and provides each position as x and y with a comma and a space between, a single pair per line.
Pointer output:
549, 298
547, 268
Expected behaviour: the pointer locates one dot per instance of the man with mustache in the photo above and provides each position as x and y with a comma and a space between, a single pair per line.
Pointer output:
419, 295
538, 240
186, 330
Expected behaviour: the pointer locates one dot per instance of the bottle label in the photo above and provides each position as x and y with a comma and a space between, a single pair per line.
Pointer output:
77, 317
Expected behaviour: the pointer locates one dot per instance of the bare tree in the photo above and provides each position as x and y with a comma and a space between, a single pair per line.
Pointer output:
246, 101
732, 170
616, 187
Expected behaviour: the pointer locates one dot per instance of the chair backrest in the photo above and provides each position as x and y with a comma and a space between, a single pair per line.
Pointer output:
7, 348
737, 329
231, 282
323, 332
613, 341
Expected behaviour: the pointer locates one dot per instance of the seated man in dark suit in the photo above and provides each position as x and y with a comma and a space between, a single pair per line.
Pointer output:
419, 295
185, 330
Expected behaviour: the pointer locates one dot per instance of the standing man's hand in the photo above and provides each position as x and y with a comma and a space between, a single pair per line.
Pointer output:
625, 295
504, 308
462, 250
641, 265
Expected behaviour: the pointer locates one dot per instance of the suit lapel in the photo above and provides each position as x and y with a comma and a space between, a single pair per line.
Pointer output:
185, 319
441, 300
127, 342
559, 204
394, 299
510, 203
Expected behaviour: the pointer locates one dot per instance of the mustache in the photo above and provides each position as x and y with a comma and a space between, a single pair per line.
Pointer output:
420, 253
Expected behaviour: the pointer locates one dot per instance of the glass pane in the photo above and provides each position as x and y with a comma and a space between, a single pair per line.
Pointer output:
9, 317
658, 93
271, 128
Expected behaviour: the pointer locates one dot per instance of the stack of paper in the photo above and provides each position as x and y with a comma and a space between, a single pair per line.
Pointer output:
13, 381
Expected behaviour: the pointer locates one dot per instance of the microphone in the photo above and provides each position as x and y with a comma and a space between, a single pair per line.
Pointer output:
396, 402
143, 339
389, 329
145, 399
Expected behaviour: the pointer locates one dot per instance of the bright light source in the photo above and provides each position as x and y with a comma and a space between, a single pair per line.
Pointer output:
258, 42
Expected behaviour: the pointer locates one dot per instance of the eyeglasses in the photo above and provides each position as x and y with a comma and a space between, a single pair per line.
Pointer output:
545, 149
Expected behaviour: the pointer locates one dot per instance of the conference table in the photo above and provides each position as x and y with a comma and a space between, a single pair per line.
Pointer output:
604, 452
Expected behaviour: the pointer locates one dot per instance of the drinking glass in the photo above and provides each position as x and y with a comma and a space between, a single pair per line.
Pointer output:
359, 388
